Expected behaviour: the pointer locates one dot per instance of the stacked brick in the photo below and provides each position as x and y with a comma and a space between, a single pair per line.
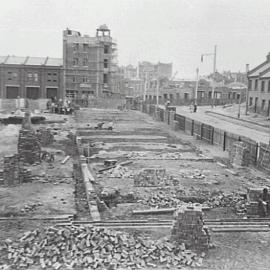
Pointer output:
188, 228
45, 136
239, 155
28, 147
13, 172
150, 178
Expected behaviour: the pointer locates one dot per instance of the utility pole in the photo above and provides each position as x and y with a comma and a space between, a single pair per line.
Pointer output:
247, 90
197, 85
157, 93
145, 86
239, 104
214, 75
214, 71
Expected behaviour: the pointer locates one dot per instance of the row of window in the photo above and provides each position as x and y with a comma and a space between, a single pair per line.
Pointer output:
85, 48
76, 62
32, 76
86, 79
256, 102
256, 85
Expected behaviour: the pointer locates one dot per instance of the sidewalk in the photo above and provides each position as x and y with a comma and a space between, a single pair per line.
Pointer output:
241, 128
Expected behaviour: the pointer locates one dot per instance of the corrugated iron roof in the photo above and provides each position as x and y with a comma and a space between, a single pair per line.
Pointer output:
31, 61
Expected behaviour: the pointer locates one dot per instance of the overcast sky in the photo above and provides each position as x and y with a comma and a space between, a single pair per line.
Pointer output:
177, 31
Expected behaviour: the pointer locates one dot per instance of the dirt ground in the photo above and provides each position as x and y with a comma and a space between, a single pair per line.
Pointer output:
232, 250
58, 191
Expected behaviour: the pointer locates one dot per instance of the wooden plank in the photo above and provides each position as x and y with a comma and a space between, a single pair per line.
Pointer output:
65, 159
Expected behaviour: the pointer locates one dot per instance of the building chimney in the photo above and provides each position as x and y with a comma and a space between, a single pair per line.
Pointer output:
268, 57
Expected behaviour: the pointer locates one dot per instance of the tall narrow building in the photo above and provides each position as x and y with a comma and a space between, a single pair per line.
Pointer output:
89, 63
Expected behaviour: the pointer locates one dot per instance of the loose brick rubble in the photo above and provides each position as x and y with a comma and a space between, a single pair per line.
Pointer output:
92, 248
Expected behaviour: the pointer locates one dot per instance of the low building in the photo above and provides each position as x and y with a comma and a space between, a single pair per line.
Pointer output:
31, 77
259, 88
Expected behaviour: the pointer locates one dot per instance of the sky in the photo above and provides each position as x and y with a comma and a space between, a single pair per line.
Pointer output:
176, 31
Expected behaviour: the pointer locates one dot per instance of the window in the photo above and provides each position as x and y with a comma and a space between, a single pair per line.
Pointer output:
74, 79
263, 104
105, 78
250, 84
85, 79
256, 85
35, 76
85, 61
262, 86
250, 101
71, 93
75, 61
105, 63
85, 47
76, 46
106, 49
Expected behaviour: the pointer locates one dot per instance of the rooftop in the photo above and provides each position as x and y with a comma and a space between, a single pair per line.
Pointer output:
30, 61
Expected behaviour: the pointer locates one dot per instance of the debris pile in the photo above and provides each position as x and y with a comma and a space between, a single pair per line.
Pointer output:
188, 228
154, 155
233, 200
95, 248
154, 178
118, 172
30, 207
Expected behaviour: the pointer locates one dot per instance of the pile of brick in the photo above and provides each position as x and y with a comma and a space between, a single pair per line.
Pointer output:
28, 147
13, 172
45, 136
92, 248
118, 172
188, 228
153, 178
239, 155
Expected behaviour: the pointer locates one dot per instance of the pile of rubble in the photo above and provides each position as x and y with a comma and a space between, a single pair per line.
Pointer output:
154, 178
30, 207
92, 248
118, 172
154, 155
161, 199
233, 200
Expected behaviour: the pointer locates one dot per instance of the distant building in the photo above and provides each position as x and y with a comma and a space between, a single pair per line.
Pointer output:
31, 77
129, 72
149, 71
259, 87
89, 63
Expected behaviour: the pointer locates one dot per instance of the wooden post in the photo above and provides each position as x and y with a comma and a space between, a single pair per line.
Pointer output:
224, 140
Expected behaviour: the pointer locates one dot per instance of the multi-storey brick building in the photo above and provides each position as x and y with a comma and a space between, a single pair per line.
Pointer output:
89, 63
31, 77
149, 71
259, 88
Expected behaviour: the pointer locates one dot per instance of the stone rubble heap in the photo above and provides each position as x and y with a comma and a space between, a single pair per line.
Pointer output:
118, 172
188, 228
92, 248
153, 178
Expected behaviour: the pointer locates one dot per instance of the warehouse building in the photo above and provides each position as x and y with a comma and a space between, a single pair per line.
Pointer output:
31, 77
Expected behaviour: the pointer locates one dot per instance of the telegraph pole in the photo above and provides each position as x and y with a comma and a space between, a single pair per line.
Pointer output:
247, 90
157, 93
197, 86
214, 75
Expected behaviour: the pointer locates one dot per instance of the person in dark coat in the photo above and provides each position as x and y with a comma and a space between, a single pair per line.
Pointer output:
264, 203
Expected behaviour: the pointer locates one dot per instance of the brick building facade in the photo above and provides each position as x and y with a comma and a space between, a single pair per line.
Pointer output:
259, 88
31, 77
89, 63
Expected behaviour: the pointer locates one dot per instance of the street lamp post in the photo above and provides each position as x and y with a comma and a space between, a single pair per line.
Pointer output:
157, 92
247, 90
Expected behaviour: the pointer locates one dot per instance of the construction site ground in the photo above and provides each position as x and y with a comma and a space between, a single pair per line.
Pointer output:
193, 169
